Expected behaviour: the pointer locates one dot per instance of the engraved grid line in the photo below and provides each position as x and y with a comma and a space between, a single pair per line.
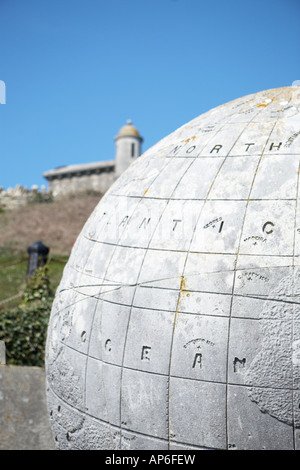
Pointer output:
174, 326
174, 250
107, 268
140, 270
105, 281
293, 326
96, 306
201, 199
208, 315
149, 242
261, 297
134, 432
172, 376
117, 428
235, 271
233, 156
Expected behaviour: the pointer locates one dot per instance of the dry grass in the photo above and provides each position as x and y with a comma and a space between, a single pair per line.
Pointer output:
57, 224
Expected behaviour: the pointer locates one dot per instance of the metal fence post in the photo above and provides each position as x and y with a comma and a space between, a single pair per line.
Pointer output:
38, 255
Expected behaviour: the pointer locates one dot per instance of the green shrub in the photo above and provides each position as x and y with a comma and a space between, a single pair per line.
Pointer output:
24, 328
38, 286
24, 331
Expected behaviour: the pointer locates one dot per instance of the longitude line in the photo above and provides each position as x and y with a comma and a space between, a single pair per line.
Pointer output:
99, 298
234, 276
293, 329
136, 286
170, 198
188, 251
192, 237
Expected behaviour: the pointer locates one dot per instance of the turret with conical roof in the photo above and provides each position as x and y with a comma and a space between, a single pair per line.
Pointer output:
128, 146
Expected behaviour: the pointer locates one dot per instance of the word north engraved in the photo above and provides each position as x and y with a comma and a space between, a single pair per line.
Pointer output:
181, 150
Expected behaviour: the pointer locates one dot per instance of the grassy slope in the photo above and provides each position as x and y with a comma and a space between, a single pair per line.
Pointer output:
56, 224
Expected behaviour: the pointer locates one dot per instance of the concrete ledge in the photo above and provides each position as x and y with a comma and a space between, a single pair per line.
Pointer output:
24, 423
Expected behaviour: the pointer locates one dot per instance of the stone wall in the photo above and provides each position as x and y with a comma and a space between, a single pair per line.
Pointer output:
24, 422
81, 183
19, 196
97, 177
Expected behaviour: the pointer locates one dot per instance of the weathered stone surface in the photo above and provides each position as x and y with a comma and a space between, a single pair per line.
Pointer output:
2, 353
24, 421
177, 321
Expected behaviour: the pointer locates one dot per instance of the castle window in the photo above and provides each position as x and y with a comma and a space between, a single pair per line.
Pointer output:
132, 150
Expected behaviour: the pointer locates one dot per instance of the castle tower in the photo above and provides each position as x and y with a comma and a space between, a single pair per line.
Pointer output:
128, 147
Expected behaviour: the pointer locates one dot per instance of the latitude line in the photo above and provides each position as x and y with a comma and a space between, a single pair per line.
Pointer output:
204, 199
116, 427
175, 250
110, 283
261, 297
241, 155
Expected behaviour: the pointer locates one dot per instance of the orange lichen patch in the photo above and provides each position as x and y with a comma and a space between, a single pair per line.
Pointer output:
182, 284
145, 192
183, 291
267, 101
189, 139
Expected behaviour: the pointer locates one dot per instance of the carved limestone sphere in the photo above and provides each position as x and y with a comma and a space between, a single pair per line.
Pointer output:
176, 324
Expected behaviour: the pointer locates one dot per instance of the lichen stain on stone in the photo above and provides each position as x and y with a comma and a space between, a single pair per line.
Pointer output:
69, 383
189, 139
182, 291
271, 375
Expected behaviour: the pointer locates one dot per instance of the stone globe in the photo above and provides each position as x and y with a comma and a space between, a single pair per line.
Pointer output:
176, 324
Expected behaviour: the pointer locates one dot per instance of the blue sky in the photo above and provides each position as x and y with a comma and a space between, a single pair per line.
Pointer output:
76, 70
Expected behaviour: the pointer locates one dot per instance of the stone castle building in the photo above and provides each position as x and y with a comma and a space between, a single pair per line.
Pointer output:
97, 176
